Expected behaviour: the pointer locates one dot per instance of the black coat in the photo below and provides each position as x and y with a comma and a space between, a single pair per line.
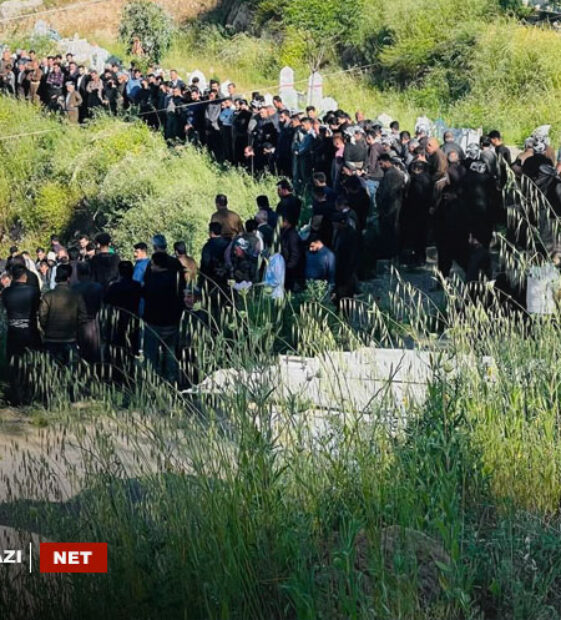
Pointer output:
21, 301
212, 270
289, 209
294, 257
105, 268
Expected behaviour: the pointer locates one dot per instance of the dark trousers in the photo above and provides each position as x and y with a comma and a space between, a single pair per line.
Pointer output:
89, 339
18, 342
160, 350
227, 145
63, 353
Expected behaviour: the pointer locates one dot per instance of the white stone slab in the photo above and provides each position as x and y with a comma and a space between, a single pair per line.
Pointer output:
315, 89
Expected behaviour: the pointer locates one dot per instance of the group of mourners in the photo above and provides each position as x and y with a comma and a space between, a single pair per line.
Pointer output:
350, 190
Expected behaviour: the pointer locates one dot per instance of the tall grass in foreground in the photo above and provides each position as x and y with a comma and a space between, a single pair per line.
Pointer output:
251, 502
372, 497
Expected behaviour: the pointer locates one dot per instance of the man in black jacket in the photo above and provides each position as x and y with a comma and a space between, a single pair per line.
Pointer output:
284, 144
123, 297
294, 256
105, 264
213, 273
89, 333
21, 301
290, 206
162, 292
346, 249
414, 217
389, 200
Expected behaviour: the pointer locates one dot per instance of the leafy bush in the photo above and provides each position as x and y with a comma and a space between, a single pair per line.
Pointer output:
148, 22
114, 173
322, 25
54, 206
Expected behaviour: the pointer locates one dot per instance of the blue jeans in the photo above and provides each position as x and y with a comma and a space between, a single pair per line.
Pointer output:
160, 344
372, 186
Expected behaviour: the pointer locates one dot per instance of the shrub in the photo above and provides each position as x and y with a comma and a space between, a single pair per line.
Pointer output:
53, 206
148, 22
322, 25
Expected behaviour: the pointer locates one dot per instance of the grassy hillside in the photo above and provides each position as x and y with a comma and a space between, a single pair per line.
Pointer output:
109, 174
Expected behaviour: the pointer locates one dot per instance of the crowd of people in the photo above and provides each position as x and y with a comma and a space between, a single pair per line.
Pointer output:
350, 192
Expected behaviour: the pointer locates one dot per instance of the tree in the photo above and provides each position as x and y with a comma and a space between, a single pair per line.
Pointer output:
323, 24
147, 29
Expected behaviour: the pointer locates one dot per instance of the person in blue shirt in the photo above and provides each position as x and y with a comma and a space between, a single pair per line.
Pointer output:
141, 261
226, 120
320, 262
134, 86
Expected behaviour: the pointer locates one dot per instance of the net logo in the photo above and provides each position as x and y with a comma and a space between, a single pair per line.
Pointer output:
73, 558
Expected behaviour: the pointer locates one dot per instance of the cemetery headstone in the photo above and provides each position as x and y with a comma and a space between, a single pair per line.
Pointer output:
224, 88
287, 92
328, 104
315, 89
203, 84
385, 120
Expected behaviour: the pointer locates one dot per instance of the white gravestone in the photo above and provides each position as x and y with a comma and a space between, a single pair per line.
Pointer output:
224, 88
328, 104
287, 92
385, 120
315, 89
202, 79
268, 98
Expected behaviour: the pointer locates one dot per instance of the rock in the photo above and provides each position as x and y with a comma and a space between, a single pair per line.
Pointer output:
408, 552
13, 8
240, 16
93, 56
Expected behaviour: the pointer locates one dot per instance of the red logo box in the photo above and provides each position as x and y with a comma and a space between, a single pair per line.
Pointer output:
73, 558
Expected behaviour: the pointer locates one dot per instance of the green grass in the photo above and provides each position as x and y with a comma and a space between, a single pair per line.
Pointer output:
232, 507
113, 174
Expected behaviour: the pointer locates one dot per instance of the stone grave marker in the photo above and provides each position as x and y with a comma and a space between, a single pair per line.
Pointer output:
203, 84
287, 91
315, 89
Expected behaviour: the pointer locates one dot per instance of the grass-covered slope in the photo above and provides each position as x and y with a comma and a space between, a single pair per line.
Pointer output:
109, 174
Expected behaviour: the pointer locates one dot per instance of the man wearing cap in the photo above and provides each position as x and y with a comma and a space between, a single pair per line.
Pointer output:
230, 221
71, 102
244, 266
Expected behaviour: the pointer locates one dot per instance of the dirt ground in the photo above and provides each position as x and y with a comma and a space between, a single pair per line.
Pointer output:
96, 21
